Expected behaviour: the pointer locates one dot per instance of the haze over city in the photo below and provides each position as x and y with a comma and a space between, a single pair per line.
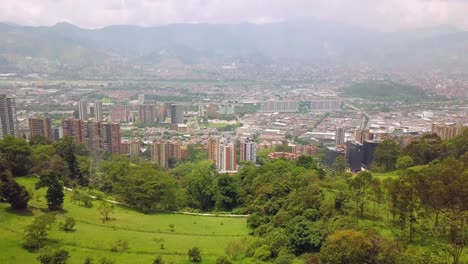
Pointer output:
382, 15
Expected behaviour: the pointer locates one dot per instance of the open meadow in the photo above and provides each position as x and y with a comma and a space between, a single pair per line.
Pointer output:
148, 236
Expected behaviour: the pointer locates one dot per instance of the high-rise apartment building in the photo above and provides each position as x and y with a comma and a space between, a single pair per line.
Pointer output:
120, 113
86, 108
248, 151
147, 114
279, 106
354, 155
162, 151
362, 135
177, 114
40, 127
447, 131
325, 104
99, 136
223, 152
227, 156
130, 147
339, 136
8, 121
72, 128
98, 115
83, 110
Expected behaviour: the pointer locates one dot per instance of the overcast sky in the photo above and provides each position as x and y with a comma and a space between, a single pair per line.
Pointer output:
379, 14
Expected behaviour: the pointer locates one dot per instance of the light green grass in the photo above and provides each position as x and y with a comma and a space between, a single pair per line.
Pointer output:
144, 233
396, 173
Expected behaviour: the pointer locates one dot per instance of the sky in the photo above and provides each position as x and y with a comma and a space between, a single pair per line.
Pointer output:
386, 15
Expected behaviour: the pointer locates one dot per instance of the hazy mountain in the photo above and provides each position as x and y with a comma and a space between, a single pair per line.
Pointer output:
67, 45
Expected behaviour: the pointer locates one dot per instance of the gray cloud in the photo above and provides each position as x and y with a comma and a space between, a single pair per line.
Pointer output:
380, 14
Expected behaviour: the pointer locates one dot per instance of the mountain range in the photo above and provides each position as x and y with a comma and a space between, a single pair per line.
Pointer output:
444, 47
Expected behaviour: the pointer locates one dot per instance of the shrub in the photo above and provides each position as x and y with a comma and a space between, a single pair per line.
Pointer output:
48, 255
158, 260
223, 260
120, 246
234, 248
194, 254
69, 224
105, 260
262, 253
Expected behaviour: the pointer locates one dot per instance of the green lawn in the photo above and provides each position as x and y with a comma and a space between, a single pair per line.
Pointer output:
144, 233
395, 173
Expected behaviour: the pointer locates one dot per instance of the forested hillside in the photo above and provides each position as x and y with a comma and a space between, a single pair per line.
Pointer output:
410, 208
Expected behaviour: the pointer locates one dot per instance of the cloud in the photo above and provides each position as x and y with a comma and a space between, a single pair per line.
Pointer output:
380, 14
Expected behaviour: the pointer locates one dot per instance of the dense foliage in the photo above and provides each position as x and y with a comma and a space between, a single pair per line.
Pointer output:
297, 209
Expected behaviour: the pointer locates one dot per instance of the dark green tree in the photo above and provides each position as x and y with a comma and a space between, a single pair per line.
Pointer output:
200, 185
303, 236
16, 155
194, 254
48, 255
12, 192
386, 154
54, 194
226, 192
340, 165
39, 140
66, 148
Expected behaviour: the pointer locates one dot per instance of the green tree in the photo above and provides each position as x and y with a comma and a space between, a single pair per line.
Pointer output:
54, 194
147, 188
226, 192
307, 162
424, 150
194, 254
359, 190
36, 233
48, 255
44, 158
66, 148
386, 154
404, 162
106, 209
12, 192
348, 246
200, 185
340, 165
303, 236
16, 155
39, 140
376, 195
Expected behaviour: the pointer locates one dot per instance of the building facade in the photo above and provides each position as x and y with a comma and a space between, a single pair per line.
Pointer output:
8, 120
177, 114
147, 114
163, 151
447, 131
130, 148
98, 136
248, 151
279, 106
223, 152
340, 136
40, 127
120, 113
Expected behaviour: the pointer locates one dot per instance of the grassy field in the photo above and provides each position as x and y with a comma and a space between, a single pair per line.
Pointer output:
395, 174
144, 233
